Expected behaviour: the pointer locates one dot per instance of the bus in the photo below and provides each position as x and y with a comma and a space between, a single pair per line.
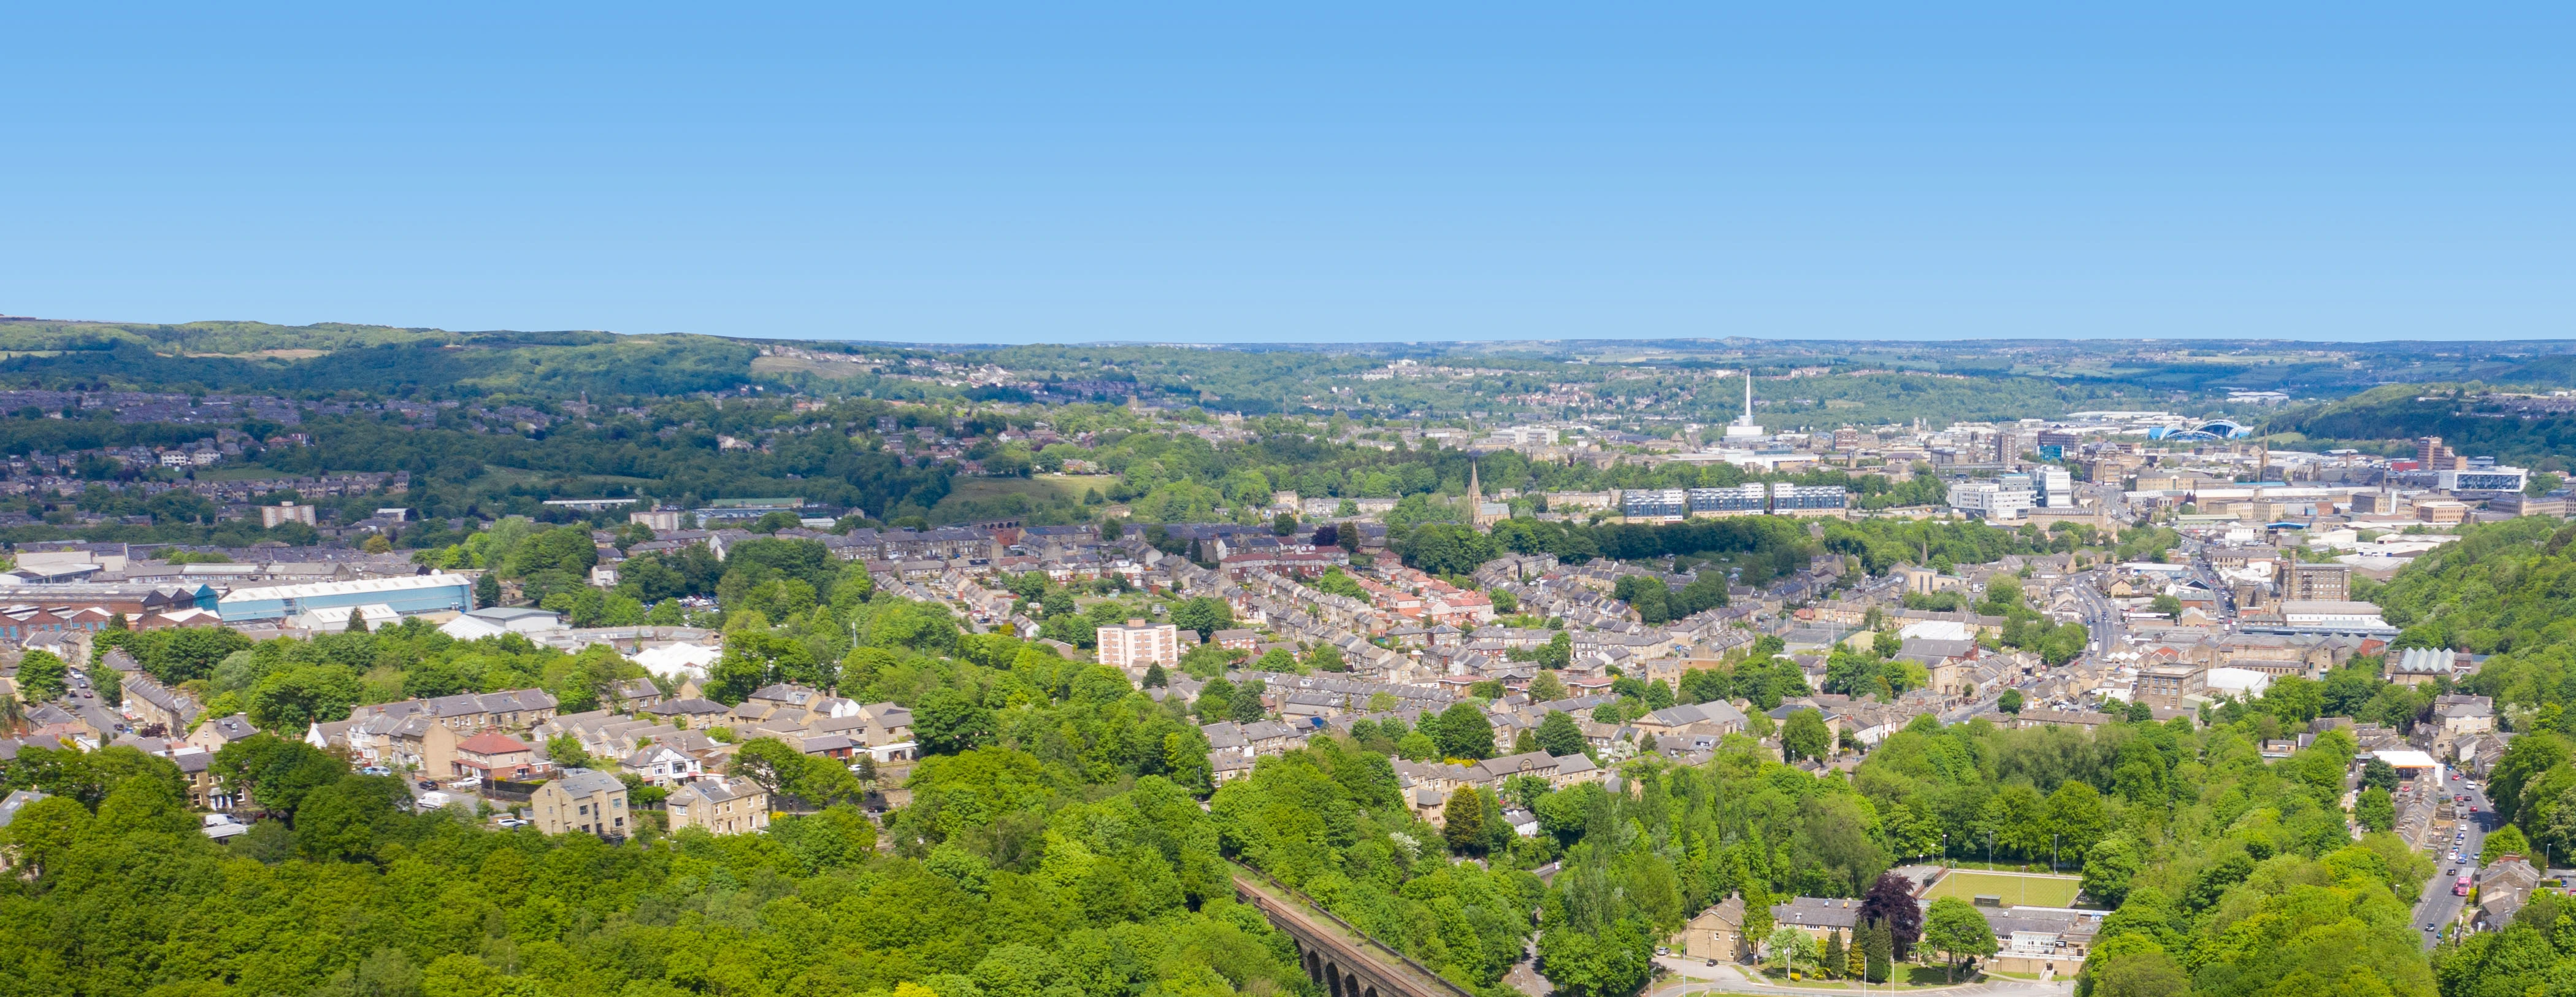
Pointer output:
2461, 888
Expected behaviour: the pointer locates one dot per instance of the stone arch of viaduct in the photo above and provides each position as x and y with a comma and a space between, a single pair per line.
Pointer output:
1337, 958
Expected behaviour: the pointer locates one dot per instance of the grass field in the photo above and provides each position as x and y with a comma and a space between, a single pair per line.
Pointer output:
1040, 488
2017, 889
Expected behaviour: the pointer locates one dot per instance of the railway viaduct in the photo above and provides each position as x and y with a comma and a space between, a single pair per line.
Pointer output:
1345, 961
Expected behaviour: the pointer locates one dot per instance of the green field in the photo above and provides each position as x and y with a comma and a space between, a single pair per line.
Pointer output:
1042, 488
2016, 888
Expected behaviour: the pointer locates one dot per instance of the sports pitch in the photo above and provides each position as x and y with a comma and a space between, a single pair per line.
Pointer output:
2017, 889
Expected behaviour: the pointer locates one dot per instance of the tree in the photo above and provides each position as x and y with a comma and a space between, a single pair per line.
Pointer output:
1245, 706
783, 770
1558, 653
42, 676
487, 591
1615, 960
294, 697
2150, 973
1204, 614
1834, 958
1155, 677
1462, 731
1447, 549
1955, 929
2076, 818
1277, 659
277, 773
2166, 604
949, 721
2009, 702
2108, 868
2375, 810
1890, 901
566, 752
1877, 960
1559, 735
1546, 688
1327, 658
1790, 945
1462, 822
1805, 736
2377, 772
2506, 840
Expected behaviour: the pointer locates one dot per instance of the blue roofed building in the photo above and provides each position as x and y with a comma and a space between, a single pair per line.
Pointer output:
409, 595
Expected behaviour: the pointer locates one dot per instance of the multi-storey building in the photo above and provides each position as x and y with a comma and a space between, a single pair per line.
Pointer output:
1741, 500
1808, 500
1136, 645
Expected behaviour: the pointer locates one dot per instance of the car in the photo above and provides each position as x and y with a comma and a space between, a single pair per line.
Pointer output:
508, 823
375, 770
468, 782
428, 784
1660, 950
2428, 927
1712, 962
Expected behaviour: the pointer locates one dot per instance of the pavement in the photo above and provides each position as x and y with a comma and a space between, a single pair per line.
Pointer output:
2438, 908
1697, 977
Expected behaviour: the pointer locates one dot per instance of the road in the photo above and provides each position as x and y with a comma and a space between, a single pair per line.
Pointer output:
2101, 615
82, 698
1699, 978
2439, 907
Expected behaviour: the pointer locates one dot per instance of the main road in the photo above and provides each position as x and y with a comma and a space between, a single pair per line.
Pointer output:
2439, 907
1697, 978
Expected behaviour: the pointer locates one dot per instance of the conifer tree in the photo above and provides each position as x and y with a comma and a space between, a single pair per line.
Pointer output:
1878, 947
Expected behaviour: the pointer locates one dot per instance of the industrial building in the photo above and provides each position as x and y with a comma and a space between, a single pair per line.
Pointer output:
410, 595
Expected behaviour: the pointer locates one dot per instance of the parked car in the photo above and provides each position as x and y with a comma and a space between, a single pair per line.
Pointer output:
375, 770
512, 822
468, 782
428, 784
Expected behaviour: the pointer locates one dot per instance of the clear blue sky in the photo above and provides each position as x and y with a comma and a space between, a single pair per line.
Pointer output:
1079, 172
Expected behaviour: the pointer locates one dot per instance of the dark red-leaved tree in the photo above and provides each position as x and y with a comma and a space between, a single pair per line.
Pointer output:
1891, 900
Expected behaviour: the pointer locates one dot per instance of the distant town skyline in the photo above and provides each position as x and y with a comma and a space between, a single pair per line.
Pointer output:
1435, 175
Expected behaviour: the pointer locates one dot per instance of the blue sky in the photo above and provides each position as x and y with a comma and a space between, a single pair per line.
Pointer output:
1317, 172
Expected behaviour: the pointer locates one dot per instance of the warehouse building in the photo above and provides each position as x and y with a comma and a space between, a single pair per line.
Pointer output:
411, 595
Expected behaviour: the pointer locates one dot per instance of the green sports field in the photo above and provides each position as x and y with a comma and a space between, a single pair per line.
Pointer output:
2016, 889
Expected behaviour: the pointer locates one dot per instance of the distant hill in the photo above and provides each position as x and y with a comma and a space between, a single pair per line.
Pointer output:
2413, 411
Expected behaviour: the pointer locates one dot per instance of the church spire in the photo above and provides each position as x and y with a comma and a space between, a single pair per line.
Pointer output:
1475, 491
